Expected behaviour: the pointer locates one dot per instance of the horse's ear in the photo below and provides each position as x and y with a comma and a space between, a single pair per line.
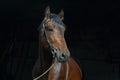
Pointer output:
47, 12
61, 14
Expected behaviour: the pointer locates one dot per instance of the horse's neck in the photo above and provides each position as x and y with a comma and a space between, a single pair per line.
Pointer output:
57, 67
58, 71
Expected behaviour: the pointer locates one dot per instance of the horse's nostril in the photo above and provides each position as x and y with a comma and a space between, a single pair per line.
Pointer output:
62, 58
63, 55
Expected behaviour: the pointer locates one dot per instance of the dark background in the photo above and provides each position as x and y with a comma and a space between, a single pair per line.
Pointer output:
92, 36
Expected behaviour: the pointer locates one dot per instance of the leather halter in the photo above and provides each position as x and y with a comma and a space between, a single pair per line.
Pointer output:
48, 41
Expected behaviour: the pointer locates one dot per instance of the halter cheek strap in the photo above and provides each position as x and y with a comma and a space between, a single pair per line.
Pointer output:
48, 41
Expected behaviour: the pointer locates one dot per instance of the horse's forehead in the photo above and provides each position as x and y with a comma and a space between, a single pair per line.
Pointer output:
60, 27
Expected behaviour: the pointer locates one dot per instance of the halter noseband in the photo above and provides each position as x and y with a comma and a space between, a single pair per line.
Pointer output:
48, 41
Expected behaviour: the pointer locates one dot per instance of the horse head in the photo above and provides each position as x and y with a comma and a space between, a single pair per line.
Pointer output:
52, 35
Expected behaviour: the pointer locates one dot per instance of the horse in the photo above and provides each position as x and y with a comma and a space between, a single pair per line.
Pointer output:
54, 51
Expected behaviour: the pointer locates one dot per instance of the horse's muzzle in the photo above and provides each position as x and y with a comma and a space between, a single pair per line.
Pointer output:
62, 57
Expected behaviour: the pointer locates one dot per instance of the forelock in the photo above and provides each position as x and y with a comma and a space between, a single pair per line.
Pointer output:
56, 18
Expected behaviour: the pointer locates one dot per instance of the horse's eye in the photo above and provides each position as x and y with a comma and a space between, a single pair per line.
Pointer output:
50, 30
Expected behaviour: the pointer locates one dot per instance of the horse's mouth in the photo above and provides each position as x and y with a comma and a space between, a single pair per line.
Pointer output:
62, 58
